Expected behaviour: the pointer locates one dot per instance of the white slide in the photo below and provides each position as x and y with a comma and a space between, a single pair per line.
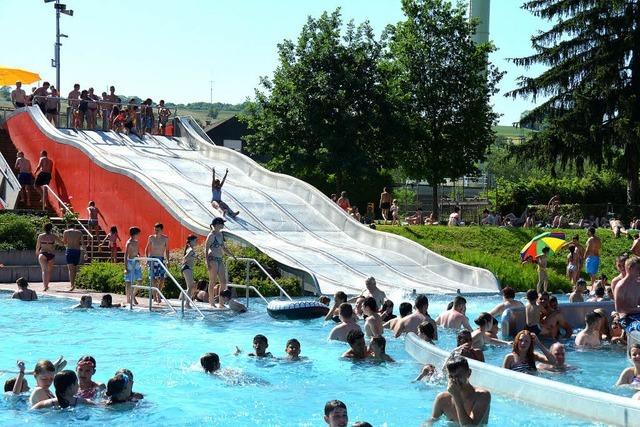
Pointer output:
286, 218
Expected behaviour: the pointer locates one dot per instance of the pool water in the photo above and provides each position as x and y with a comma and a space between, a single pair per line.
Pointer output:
163, 353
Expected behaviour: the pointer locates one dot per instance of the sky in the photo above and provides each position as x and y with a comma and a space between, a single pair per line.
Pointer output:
173, 49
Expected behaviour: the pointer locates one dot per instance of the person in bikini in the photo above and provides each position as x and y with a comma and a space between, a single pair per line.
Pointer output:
157, 248
215, 249
216, 195
45, 251
72, 240
86, 369
631, 376
25, 178
132, 268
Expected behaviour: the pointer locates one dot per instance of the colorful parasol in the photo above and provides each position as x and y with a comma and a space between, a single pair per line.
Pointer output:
551, 239
9, 76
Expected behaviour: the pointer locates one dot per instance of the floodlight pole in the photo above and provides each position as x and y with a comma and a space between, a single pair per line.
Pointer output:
60, 8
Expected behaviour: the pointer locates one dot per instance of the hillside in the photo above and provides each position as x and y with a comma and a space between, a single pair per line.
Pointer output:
498, 250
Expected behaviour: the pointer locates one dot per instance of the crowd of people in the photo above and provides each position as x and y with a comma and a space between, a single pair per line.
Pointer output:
85, 108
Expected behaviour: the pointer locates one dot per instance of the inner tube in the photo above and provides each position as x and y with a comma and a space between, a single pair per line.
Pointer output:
295, 310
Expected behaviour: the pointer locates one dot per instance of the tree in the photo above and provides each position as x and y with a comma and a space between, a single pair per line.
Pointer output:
593, 84
441, 83
321, 116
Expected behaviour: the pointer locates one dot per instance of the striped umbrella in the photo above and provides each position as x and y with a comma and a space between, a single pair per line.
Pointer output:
551, 239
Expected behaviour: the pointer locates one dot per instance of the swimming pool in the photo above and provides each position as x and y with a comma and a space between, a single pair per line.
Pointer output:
163, 353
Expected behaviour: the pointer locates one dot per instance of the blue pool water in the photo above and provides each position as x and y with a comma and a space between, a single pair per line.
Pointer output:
163, 353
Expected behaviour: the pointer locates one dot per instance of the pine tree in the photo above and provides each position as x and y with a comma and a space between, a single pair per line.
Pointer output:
593, 84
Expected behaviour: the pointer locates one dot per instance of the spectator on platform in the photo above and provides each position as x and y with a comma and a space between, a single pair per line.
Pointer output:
18, 96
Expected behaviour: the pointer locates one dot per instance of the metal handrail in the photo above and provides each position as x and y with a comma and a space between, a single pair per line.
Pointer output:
175, 282
248, 288
250, 261
68, 209
151, 289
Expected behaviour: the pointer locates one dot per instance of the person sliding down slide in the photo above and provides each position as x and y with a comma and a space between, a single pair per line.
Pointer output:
216, 195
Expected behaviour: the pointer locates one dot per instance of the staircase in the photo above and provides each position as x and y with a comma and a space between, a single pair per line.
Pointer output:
100, 253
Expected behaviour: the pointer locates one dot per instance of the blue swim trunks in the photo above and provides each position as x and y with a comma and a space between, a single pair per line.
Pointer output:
630, 322
135, 271
155, 270
592, 264
73, 256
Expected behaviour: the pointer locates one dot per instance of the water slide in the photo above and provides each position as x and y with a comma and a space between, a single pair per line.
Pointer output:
140, 181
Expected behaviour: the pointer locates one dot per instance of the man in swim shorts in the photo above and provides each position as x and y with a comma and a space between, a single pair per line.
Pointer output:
385, 204
43, 171
25, 178
627, 296
158, 248
132, 268
592, 254
335, 414
72, 240
462, 403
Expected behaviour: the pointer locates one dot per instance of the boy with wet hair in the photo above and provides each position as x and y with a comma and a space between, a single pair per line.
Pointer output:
377, 350
334, 313
532, 314
335, 414
347, 324
132, 268
260, 345
210, 362
358, 350
462, 403
590, 335
426, 332
225, 298
293, 349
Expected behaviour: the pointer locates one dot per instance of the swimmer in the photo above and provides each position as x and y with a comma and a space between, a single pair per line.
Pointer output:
373, 325
66, 385
119, 390
43, 373
334, 313
482, 334
455, 317
210, 362
532, 314
426, 332
372, 291
466, 348
24, 293
347, 324
358, 350
134, 396
85, 302
377, 350
462, 402
19, 384
578, 291
555, 320
85, 369
107, 302
260, 345
233, 304
411, 322
405, 309
509, 301
335, 414
631, 376
622, 271
558, 351
590, 335
293, 350
523, 358
386, 311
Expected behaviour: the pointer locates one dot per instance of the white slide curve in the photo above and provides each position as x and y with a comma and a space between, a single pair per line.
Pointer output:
286, 218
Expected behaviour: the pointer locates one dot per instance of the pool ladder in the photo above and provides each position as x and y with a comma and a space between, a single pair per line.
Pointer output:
183, 293
248, 262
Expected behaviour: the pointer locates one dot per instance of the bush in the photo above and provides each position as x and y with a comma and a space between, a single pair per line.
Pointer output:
102, 277
595, 188
18, 232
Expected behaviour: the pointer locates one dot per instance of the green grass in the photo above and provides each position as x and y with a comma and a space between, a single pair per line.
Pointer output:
511, 132
498, 250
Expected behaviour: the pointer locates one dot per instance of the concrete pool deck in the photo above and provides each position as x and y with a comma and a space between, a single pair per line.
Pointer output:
60, 290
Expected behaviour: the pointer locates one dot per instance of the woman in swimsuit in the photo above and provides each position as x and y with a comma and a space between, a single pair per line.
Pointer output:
573, 259
215, 248
45, 247
66, 384
631, 376
522, 357
188, 259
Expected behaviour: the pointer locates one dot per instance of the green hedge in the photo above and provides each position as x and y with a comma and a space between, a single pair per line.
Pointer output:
18, 232
593, 189
108, 277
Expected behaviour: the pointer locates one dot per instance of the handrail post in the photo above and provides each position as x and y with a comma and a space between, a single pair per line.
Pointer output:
246, 282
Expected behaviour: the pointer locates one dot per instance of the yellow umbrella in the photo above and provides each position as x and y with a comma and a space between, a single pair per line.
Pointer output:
9, 76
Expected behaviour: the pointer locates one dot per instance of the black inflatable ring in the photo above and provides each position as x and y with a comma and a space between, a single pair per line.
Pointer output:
294, 310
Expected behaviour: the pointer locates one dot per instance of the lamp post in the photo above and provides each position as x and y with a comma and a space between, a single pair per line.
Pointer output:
60, 8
